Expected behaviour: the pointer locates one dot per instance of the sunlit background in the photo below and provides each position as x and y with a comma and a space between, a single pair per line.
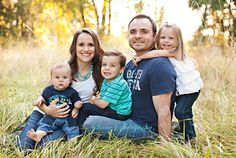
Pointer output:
186, 18
34, 34
53, 22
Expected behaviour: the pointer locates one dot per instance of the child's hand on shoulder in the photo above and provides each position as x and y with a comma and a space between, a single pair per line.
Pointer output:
136, 59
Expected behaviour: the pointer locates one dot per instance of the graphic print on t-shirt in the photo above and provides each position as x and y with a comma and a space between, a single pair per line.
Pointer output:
62, 99
133, 77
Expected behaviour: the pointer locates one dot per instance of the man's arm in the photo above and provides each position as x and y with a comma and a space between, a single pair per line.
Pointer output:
162, 107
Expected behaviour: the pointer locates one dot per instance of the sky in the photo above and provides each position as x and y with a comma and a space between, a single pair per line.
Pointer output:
176, 11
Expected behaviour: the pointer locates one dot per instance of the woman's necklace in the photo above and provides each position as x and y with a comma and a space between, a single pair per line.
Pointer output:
86, 76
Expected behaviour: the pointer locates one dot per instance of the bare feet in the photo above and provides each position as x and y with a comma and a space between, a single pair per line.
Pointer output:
34, 135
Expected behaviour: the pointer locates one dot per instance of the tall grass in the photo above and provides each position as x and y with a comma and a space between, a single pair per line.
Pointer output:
24, 72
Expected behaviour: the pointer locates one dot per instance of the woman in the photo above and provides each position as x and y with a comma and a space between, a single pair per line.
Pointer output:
85, 61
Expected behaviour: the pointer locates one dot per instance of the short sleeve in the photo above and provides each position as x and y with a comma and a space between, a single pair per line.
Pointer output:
46, 93
162, 77
75, 97
113, 93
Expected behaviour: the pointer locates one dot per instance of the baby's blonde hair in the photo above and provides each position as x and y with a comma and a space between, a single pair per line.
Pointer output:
61, 65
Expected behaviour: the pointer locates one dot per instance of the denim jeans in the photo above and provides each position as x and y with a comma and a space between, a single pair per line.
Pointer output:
128, 128
69, 125
24, 142
96, 124
89, 109
184, 113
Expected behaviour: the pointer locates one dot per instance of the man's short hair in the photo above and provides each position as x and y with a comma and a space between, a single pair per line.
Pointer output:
143, 16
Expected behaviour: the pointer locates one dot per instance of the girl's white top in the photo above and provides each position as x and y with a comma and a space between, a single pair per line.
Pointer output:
86, 89
188, 77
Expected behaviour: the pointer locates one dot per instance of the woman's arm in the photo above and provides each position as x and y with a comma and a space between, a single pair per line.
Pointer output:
55, 111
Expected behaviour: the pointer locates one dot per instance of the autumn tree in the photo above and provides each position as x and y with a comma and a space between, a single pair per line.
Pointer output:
218, 20
15, 19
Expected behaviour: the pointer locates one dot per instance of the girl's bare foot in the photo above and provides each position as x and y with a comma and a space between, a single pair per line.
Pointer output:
34, 135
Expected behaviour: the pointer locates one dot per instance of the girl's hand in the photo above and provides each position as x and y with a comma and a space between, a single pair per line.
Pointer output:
57, 111
136, 60
75, 112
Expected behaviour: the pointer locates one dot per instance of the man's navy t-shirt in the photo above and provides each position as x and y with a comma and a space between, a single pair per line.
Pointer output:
150, 78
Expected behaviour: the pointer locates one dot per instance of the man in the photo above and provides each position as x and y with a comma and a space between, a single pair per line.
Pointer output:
152, 82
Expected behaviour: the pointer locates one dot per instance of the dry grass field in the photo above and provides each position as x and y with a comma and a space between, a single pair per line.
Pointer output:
24, 72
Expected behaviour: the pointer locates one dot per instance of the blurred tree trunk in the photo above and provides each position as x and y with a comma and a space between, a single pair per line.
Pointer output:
81, 9
104, 29
109, 18
96, 15
15, 20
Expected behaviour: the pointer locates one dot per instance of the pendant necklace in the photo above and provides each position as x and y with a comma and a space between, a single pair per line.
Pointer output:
86, 76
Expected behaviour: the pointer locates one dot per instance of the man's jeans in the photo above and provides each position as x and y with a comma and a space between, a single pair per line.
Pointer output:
128, 128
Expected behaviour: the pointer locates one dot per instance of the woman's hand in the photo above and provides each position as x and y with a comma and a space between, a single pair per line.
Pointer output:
57, 111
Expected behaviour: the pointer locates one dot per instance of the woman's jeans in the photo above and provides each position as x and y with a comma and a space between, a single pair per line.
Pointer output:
32, 121
184, 113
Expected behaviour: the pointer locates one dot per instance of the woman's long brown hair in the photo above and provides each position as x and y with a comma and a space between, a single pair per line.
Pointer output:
96, 60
